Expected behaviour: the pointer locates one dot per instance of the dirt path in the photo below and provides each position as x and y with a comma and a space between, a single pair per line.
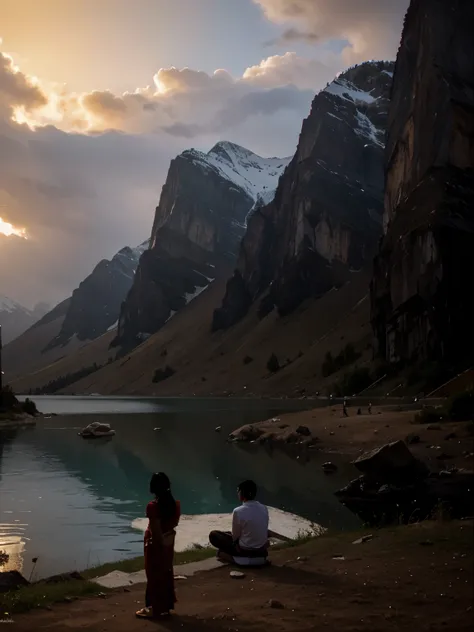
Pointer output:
418, 576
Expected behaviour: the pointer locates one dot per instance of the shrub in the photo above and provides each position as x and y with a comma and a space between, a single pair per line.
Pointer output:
429, 415
353, 382
461, 407
248, 359
163, 374
29, 407
272, 364
345, 357
328, 366
65, 380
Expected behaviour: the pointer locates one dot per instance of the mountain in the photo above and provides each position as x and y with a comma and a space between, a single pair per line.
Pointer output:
422, 305
91, 311
326, 216
15, 319
94, 307
198, 225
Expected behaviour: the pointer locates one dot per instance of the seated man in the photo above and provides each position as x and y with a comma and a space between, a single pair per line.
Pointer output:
248, 542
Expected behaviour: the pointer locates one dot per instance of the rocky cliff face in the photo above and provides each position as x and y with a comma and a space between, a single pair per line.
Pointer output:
422, 306
326, 216
94, 306
197, 229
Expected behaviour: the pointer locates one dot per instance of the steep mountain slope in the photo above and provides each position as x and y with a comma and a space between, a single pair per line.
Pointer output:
422, 305
232, 361
95, 305
15, 319
89, 313
326, 216
198, 226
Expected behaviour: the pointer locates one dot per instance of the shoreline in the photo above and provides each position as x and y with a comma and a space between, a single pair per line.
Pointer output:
332, 577
325, 430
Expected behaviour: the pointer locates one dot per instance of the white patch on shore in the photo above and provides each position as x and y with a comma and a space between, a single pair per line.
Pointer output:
195, 529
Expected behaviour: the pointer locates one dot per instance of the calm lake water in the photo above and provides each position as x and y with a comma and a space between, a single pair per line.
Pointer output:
71, 502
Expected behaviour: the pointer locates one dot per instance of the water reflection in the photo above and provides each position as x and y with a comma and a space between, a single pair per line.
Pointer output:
78, 498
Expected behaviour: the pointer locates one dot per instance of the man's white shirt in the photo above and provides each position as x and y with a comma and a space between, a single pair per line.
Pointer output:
250, 525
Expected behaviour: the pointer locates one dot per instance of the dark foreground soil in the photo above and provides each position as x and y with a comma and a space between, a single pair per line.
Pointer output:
418, 577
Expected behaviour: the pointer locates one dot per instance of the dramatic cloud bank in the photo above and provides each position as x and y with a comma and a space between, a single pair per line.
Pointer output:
82, 172
371, 28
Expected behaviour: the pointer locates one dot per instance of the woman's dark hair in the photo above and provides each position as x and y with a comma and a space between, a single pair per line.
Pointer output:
248, 489
160, 487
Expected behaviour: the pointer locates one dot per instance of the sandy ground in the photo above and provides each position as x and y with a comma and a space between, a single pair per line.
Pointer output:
358, 433
421, 575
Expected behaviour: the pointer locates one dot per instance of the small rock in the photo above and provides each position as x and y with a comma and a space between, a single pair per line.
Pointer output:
274, 603
329, 467
180, 577
426, 543
302, 559
412, 439
219, 428
304, 430
102, 595
339, 558
364, 538
332, 434
156, 429
237, 575
126, 589
376, 432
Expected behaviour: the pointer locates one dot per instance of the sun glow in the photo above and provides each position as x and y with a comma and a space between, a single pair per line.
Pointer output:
8, 230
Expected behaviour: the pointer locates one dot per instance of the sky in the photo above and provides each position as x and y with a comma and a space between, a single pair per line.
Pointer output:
97, 96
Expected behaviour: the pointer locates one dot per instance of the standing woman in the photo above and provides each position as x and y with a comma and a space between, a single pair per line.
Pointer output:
163, 515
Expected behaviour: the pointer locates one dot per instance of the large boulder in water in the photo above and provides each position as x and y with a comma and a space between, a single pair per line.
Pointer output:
392, 463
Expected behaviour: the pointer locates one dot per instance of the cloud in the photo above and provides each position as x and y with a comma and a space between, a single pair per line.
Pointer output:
17, 89
290, 69
83, 172
372, 28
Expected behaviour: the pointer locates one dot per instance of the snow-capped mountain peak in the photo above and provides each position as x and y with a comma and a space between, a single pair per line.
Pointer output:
7, 305
359, 95
255, 175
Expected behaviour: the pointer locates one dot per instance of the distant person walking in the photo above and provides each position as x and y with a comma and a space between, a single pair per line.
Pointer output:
370, 408
344, 408
163, 514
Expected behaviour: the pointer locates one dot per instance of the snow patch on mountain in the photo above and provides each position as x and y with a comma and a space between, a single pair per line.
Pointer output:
7, 305
257, 176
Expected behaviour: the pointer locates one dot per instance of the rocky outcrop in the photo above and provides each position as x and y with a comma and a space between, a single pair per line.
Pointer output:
94, 306
326, 217
198, 226
397, 487
421, 294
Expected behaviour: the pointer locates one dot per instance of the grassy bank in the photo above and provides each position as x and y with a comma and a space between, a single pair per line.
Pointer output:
43, 595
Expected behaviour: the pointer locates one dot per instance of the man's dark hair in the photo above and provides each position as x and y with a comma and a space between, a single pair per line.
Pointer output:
248, 489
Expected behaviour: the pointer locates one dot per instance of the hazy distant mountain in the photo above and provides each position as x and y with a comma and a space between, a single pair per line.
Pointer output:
15, 318
94, 307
